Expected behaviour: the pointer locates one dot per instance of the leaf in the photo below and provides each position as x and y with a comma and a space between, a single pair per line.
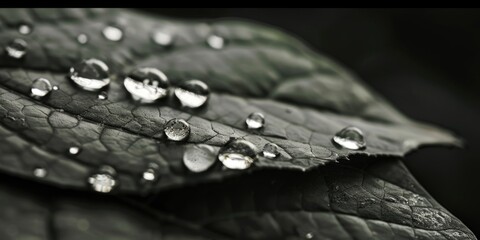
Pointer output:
32, 211
361, 199
305, 97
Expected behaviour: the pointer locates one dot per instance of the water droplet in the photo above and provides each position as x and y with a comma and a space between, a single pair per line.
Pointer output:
103, 96
112, 33
82, 38
104, 180
17, 48
177, 129
162, 38
199, 157
193, 93
40, 172
390, 199
270, 150
146, 85
367, 202
350, 138
216, 42
55, 88
40, 87
151, 173
91, 74
309, 235
24, 29
238, 154
255, 120
336, 188
73, 150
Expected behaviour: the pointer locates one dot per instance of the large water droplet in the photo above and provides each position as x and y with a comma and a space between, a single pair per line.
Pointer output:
73, 150
199, 157
350, 138
270, 150
215, 42
151, 173
82, 38
104, 180
255, 120
193, 93
238, 154
91, 74
40, 172
147, 84
40, 87
162, 38
177, 129
24, 29
17, 48
112, 33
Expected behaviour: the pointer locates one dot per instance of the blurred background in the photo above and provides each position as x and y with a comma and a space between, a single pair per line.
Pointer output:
426, 62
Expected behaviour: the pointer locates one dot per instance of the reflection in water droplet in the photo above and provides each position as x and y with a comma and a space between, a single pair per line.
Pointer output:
103, 96
199, 157
112, 33
193, 93
74, 150
82, 38
390, 199
350, 138
40, 172
270, 150
255, 120
238, 154
24, 29
162, 38
147, 85
40, 88
309, 235
55, 88
17, 48
91, 74
104, 180
177, 129
215, 42
151, 173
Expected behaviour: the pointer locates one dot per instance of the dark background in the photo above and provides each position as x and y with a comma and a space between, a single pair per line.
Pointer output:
425, 61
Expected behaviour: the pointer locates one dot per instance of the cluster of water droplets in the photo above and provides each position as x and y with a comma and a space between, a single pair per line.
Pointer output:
147, 85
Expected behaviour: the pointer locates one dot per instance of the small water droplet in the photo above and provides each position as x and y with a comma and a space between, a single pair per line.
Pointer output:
199, 157
55, 88
40, 88
350, 138
82, 38
309, 235
17, 48
151, 173
193, 93
162, 38
177, 129
103, 96
238, 154
390, 199
91, 74
40, 172
255, 120
112, 33
73, 150
147, 85
24, 29
216, 42
270, 150
104, 180
367, 202
336, 188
